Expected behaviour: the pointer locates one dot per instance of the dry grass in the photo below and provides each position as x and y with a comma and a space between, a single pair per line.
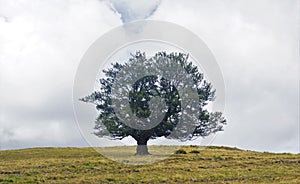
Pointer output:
85, 165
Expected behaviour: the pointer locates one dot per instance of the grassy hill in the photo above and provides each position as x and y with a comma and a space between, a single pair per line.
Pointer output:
85, 165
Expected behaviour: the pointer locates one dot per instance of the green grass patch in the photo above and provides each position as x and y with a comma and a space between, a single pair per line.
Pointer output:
180, 151
195, 151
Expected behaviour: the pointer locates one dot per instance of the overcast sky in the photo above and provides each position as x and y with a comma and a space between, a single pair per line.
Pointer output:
255, 42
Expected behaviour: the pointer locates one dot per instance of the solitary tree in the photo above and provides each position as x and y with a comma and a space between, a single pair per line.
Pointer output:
140, 94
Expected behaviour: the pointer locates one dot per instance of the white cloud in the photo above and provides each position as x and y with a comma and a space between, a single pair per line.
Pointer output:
41, 45
256, 46
254, 42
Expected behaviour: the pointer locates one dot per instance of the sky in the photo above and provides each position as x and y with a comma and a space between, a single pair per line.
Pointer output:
255, 42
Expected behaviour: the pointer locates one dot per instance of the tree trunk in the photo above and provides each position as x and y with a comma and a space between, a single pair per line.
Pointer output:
142, 148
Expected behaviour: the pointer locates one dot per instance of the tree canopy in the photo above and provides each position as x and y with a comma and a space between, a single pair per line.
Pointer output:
150, 86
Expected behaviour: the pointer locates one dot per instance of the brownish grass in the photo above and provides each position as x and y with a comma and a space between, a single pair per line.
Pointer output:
85, 165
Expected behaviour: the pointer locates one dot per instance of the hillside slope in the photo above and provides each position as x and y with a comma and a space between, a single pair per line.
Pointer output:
84, 165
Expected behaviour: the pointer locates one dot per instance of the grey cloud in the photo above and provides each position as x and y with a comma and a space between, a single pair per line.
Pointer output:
254, 42
4, 18
256, 45
131, 10
40, 49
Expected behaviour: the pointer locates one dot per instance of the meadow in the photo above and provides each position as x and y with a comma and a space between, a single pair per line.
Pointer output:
191, 164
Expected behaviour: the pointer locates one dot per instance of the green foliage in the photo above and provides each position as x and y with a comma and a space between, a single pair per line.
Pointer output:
180, 151
195, 151
146, 88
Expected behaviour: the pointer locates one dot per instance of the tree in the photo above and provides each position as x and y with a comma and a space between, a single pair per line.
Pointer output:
192, 124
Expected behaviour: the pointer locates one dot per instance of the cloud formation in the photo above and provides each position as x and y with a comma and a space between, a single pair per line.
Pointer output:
257, 47
40, 48
131, 10
256, 44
